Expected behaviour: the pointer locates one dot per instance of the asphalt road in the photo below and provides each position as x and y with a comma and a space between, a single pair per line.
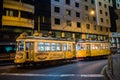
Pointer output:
77, 70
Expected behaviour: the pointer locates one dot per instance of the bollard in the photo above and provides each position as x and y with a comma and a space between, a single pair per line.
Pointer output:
110, 64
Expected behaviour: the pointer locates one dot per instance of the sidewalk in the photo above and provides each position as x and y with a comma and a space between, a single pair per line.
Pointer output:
113, 67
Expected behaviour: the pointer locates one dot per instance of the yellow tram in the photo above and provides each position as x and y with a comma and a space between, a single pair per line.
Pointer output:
36, 49
92, 49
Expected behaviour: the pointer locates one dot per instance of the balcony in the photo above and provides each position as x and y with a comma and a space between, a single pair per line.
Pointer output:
18, 22
18, 6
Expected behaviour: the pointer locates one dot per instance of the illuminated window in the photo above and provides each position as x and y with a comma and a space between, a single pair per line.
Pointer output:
69, 47
68, 23
47, 46
68, 12
59, 47
88, 26
64, 47
41, 46
53, 46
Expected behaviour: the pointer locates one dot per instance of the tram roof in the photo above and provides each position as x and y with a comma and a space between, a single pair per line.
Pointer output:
93, 41
46, 38
38, 36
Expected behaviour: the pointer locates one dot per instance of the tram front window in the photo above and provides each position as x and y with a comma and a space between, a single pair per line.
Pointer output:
21, 46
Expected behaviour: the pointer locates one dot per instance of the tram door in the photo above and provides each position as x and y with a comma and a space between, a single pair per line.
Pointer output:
29, 51
88, 50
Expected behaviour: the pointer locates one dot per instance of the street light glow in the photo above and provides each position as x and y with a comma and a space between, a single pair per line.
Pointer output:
92, 12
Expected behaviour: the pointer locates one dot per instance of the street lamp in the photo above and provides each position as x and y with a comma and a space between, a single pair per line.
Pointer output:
92, 12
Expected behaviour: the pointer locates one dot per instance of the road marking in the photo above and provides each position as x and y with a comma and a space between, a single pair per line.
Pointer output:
54, 75
103, 69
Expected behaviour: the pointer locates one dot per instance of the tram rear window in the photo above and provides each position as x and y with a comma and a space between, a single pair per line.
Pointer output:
7, 49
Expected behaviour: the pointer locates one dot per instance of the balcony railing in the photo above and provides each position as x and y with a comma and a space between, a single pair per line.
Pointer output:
16, 21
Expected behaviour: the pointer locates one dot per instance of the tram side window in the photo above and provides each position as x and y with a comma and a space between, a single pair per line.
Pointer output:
96, 46
47, 46
53, 46
20, 46
41, 47
69, 47
59, 46
80, 47
64, 47
103, 46
93, 46
107, 46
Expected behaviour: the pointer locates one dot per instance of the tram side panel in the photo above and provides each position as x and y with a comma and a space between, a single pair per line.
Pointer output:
38, 51
84, 50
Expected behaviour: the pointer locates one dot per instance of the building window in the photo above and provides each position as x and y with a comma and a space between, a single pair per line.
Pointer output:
77, 5
95, 28
106, 13
68, 23
92, 1
101, 19
106, 29
10, 12
100, 11
118, 5
57, 9
77, 14
25, 14
57, 21
94, 18
67, 2
101, 28
68, 12
107, 21
45, 19
86, 17
105, 6
86, 8
88, 26
78, 24
100, 3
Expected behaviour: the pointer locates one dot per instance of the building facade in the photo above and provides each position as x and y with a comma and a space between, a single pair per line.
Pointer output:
16, 16
77, 19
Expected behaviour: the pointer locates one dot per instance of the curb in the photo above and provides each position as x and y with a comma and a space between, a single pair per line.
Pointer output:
108, 74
